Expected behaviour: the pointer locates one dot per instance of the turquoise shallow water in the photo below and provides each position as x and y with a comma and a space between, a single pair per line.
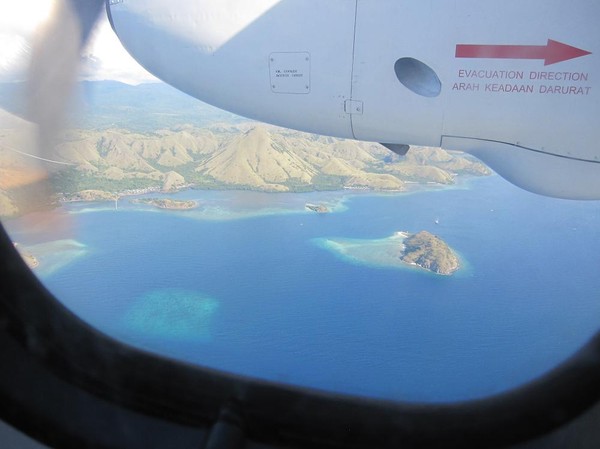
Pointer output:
171, 314
244, 284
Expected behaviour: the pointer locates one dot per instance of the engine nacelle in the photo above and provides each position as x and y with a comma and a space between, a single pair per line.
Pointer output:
511, 82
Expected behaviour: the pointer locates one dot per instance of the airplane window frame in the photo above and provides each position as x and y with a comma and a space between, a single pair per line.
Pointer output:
190, 395
36, 326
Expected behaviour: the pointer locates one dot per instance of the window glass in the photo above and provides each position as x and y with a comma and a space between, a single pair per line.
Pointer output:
307, 260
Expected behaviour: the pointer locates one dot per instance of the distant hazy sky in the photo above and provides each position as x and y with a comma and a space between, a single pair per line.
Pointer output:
104, 58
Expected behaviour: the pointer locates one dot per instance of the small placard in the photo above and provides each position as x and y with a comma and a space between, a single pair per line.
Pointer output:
290, 72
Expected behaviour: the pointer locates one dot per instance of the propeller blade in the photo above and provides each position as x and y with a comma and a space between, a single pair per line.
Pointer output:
54, 65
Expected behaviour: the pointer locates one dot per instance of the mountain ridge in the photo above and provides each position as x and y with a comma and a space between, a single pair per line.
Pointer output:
261, 157
121, 144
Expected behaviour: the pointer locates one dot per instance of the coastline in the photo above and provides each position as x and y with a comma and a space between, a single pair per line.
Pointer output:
239, 204
462, 182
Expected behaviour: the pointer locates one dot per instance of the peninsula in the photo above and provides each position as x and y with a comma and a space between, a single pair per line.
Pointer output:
31, 261
90, 195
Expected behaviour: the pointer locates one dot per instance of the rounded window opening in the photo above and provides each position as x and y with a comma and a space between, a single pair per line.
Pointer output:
287, 263
418, 77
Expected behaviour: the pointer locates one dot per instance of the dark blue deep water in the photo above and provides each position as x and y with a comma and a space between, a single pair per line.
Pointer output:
243, 287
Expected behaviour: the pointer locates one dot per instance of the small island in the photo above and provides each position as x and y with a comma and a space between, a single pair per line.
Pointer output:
166, 203
429, 252
319, 208
31, 261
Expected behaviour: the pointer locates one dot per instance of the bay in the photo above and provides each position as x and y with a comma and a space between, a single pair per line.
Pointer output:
241, 284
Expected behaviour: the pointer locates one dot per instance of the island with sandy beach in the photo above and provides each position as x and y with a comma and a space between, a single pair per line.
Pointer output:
167, 203
400, 250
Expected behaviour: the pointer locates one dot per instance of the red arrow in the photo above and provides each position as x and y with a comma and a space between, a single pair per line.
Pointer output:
551, 53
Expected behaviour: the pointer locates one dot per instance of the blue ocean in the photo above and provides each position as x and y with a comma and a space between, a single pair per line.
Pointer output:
244, 284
